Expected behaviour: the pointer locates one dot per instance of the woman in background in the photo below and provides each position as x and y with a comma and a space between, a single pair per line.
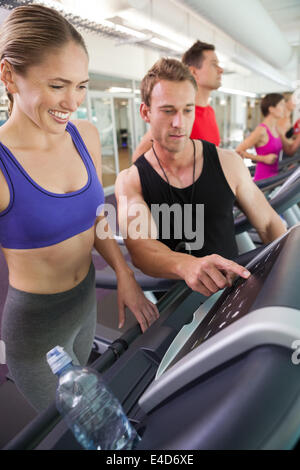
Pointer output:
267, 139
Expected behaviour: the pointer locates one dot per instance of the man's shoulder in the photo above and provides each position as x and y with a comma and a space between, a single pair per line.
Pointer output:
128, 181
140, 158
226, 153
128, 174
234, 169
208, 110
231, 160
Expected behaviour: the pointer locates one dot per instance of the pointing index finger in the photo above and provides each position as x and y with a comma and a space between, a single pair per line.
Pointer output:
234, 267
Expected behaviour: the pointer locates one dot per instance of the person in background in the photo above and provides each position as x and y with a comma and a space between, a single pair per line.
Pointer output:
267, 140
204, 65
284, 125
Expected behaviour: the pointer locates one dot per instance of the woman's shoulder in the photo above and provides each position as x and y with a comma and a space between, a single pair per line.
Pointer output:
4, 188
260, 132
8, 135
90, 136
85, 128
87, 131
261, 128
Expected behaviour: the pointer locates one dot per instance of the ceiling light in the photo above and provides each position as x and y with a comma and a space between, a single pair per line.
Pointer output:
172, 47
142, 22
124, 29
231, 91
115, 89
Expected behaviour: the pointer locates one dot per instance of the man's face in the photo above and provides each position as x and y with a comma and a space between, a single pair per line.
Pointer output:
209, 75
171, 114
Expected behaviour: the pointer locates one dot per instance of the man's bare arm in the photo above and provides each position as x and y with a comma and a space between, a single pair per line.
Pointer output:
251, 199
205, 275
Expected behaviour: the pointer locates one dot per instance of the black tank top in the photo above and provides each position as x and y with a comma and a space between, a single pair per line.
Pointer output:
211, 189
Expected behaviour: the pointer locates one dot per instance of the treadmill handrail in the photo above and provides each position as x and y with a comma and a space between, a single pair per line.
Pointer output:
294, 177
274, 180
289, 161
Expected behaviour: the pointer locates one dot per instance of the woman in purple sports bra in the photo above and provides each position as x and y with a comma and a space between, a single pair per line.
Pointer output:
267, 140
50, 203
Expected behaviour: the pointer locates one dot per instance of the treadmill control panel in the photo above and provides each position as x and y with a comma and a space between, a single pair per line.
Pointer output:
234, 303
241, 319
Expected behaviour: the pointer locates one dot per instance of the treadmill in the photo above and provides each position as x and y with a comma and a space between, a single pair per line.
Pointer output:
284, 199
174, 314
228, 379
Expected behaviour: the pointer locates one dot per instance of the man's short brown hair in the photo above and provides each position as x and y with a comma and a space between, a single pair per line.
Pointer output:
165, 69
194, 55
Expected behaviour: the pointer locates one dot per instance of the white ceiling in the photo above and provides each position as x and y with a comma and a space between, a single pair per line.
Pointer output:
265, 34
286, 14
170, 22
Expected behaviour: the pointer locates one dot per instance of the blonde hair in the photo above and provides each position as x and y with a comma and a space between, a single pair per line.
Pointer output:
29, 33
165, 69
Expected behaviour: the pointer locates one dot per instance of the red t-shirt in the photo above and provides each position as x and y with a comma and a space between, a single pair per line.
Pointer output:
297, 127
205, 125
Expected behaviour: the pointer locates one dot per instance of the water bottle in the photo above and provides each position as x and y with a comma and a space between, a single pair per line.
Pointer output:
90, 410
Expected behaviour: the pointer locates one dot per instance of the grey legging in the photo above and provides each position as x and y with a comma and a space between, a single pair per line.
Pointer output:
32, 324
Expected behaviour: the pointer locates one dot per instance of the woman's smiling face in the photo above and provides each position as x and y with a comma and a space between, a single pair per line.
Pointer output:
51, 91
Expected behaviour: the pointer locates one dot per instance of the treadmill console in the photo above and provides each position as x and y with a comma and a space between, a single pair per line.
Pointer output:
263, 309
235, 302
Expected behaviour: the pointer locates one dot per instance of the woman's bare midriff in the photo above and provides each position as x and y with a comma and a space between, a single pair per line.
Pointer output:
52, 269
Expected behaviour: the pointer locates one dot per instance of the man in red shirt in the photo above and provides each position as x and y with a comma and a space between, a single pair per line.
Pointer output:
204, 66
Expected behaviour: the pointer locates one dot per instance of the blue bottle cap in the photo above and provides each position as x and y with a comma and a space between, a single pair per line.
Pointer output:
57, 359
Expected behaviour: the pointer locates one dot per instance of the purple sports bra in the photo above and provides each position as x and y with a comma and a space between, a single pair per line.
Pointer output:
37, 218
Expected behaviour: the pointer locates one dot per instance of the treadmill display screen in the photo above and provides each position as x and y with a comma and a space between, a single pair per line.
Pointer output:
234, 303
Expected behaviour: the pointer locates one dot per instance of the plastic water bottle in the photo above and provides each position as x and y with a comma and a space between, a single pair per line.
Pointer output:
90, 410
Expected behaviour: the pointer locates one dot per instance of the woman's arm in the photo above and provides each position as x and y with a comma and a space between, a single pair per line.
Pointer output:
268, 159
129, 292
143, 146
255, 140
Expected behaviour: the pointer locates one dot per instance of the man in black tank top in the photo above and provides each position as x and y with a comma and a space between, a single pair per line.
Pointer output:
179, 196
